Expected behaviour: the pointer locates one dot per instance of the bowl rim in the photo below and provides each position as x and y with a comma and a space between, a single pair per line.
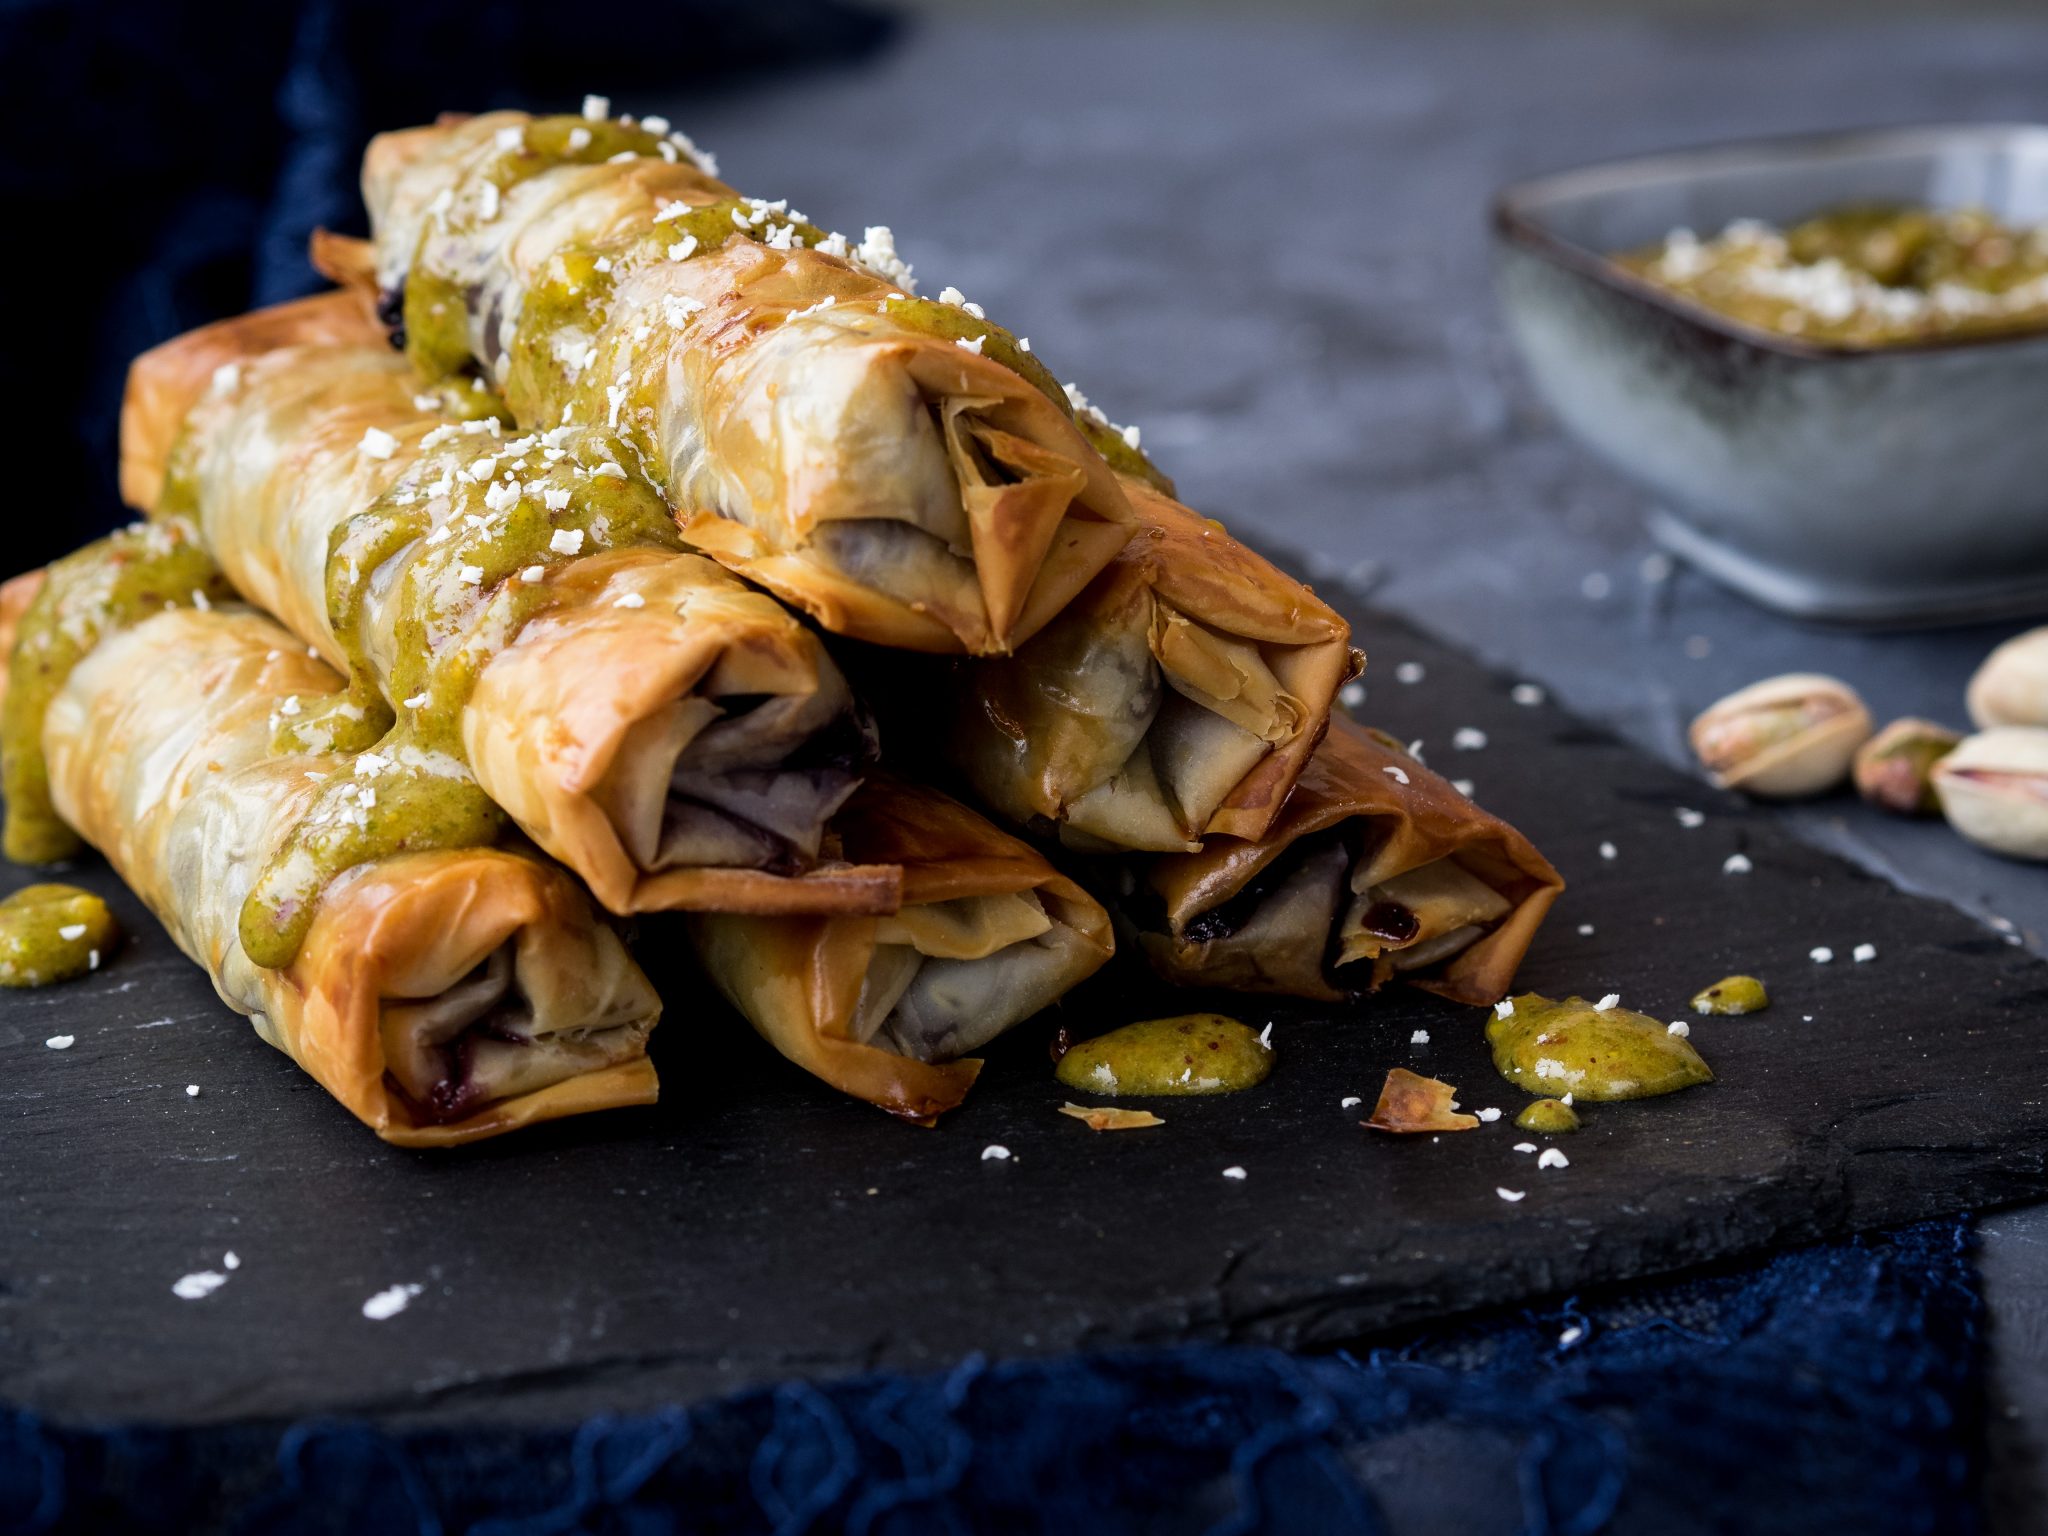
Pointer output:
1513, 219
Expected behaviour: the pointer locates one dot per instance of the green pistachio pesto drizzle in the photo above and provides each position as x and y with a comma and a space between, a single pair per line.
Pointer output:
110, 584
52, 933
565, 309
472, 519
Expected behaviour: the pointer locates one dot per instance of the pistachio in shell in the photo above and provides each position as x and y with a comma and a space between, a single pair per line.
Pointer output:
1994, 790
1783, 738
1895, 768
2011, 687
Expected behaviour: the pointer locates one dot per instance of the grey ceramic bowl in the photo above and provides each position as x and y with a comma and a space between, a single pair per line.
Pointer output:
1907, 485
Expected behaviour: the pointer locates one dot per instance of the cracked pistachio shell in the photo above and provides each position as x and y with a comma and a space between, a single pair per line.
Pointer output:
1895, 768
2011, 687
1994, 790
1783, 738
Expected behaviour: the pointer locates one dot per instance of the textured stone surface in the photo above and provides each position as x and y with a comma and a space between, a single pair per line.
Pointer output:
755, 1226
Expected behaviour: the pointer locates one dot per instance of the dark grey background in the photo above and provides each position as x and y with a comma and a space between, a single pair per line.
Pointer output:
1261, 237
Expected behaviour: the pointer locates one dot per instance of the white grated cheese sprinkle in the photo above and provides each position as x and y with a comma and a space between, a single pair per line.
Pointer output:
1863, 952
597, 108
973, 346
1410, 672
61, 1042
1420, 1037
377, 444
1820, 954
1468, 738
1394, 773
1527, 694
1679, 1028
1689, 819
1489, 1115
470, 575
1550, 1157
1736, 864
1233, 1172
1607, 1002
566, 541
1504, 1009
995, 1152
1510, 1195
630, 600
1350, 1101
555, 498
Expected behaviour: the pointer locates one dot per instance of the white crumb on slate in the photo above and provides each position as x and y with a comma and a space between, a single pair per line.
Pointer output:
61, 1042
390, 1302
1233, 1172
200, 1283
1509, 1195
1736, 864
1552, 1158
995, 1153
1489, 1115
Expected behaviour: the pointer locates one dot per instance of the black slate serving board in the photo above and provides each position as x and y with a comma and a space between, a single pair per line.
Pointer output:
755, 1226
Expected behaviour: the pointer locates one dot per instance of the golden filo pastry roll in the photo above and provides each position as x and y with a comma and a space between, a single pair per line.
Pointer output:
887, 1009
1376, 868
1177, 698
516, 605
896, 467
441, 996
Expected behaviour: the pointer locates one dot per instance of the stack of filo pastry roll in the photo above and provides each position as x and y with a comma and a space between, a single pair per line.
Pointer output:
441, 996
476, 609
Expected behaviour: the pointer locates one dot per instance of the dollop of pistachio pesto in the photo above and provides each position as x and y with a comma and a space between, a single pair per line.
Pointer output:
52, 933
1732, 994
1548, 1117
1592, 1053
1190, 1053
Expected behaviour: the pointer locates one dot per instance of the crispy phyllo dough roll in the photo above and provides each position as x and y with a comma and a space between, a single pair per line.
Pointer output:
1376, 868
1178, 697
886, 1008
898, 468
441, 996
521, 627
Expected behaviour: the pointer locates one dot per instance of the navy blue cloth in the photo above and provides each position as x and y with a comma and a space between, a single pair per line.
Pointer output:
1833, 1389
165, 162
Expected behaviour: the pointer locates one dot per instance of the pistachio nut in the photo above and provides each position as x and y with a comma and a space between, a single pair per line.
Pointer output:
2011, 687
1994, 790
1894, 768
1783, 738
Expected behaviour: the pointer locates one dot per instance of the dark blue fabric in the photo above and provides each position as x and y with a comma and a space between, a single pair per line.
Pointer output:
166, 161
1829, 1390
